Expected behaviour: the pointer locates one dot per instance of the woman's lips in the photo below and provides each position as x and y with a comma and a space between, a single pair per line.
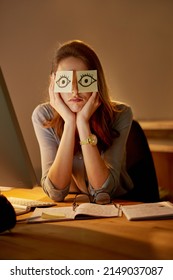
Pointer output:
75, 99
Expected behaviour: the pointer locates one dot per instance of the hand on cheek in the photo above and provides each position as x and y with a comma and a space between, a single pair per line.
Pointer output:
58, 104
89, 108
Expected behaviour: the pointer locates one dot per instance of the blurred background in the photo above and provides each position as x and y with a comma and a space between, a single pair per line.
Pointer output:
133, 39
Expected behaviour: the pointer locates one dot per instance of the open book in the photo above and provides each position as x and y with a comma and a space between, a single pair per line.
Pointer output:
83, 211
148, 211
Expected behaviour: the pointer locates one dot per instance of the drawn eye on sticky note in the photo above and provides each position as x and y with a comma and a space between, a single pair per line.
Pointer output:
63, 81
87, 81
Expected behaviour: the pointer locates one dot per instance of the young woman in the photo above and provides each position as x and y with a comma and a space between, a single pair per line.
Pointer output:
82, 136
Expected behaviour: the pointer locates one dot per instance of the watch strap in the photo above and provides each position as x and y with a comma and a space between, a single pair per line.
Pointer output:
92, 140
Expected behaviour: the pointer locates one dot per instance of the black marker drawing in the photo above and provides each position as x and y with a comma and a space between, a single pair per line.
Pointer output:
63, 81
87, 81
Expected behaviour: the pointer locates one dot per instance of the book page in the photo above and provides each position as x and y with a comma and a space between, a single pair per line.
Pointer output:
97, 210
145, 211
52, 214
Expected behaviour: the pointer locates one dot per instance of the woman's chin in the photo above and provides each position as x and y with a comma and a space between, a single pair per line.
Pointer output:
76, 108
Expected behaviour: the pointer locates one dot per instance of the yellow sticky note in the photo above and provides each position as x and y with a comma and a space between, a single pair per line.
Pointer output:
52, 216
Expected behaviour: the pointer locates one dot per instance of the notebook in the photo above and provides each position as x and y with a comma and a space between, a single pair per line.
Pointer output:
148, 211
83, 211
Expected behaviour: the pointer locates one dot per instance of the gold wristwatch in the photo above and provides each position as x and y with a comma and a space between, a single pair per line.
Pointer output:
92, 140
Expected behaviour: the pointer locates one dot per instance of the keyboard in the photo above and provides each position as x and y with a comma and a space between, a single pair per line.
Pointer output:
29, 202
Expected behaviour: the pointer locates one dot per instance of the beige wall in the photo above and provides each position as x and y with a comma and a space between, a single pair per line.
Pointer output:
133, 38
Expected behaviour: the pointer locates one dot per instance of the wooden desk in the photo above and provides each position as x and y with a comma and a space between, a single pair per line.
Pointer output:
110, 238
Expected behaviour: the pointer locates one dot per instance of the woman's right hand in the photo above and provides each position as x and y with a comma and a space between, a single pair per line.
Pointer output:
58, 104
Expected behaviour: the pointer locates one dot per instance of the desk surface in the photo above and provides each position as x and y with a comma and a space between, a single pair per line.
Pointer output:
109, 238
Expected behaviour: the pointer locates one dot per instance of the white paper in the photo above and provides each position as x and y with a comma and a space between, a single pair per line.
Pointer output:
21, 209
146, 211
67, 213
63, 81
86, 81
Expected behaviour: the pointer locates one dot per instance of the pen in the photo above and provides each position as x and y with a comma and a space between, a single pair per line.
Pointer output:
27, 219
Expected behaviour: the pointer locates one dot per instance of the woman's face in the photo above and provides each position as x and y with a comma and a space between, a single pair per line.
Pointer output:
74, 100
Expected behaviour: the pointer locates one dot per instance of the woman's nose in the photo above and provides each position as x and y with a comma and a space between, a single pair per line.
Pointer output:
74, 88
74, 91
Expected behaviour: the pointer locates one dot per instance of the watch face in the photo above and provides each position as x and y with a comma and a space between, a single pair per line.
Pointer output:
93, 140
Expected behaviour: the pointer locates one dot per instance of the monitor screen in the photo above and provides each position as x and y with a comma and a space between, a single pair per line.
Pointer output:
16, 169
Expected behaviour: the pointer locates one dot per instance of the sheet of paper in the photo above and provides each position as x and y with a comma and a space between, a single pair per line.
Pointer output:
51, 214
63, 81
97, 210
145, 211
87, 81
21, 209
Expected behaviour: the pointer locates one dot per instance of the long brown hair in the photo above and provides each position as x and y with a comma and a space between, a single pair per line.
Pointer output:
102, 119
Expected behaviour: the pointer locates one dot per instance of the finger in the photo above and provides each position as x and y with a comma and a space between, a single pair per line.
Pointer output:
94, 94
97, 100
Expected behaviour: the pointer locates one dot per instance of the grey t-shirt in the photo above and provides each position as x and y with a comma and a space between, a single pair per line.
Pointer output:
118, 182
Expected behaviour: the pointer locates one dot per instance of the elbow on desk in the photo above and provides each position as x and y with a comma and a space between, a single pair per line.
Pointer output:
52, 191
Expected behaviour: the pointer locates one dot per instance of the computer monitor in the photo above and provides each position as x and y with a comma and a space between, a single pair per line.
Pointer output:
16, 168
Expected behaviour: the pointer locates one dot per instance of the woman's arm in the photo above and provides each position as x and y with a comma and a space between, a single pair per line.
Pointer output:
49, 144
96, 168
105, 171
118, 181
61, 169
